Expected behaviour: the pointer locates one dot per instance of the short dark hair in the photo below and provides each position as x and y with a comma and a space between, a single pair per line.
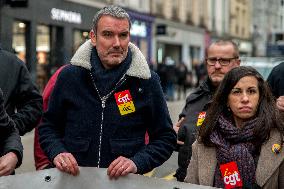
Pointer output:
112, 10
224, 42
267, 113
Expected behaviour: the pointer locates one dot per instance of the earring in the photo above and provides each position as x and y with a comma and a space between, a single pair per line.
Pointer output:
228, 108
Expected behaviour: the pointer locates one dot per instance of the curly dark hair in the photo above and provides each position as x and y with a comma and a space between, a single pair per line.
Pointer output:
268, 115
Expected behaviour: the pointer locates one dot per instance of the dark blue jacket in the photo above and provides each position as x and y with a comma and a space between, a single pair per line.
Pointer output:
76, 121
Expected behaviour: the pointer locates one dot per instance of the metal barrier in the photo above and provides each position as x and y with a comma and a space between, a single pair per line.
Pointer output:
89, 177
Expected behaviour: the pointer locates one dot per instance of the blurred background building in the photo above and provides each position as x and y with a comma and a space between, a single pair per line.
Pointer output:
267, 25
45, 34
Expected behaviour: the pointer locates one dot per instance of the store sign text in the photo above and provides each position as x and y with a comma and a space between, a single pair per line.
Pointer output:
65, 16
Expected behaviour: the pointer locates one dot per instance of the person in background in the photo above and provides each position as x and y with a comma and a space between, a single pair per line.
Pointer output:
11, 149
181, 72
221, 56
103, 104
22, 100
276, 82
171, 78
239, 144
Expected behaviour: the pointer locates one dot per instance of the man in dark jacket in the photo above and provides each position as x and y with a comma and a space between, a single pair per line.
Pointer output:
11, 149
22, 100
221, 56
103, 104
276, 82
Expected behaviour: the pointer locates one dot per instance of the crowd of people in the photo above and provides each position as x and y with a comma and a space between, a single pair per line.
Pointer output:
176, 78
108, 109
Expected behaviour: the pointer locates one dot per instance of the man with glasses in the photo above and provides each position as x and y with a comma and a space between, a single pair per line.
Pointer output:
221, 56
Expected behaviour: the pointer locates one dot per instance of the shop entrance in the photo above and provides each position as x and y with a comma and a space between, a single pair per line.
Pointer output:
49, 50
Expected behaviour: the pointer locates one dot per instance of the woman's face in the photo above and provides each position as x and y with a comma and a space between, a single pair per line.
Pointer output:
243, 99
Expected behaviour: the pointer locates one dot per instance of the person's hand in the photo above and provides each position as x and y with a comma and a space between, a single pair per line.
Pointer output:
67, 163
121, 167
280, 103
8, 163
178, 124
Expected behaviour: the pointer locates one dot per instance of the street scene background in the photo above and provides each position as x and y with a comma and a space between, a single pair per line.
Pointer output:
172, 35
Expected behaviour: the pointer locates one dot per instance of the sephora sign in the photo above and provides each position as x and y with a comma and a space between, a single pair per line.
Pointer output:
65, 16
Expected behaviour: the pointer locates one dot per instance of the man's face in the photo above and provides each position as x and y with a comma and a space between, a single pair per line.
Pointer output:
222, 53
111, 40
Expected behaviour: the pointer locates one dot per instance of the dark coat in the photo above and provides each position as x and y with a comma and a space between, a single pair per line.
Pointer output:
77, 120
9, 138
22, 100
196, 102
276, 80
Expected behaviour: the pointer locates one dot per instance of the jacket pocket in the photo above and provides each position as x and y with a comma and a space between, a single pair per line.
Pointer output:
77, 144
126, 147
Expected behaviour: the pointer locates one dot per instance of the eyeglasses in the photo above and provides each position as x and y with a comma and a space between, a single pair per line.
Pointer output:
223, 61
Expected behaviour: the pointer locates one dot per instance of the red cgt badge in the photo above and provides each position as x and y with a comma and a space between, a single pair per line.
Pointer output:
201, 118
124, 102
231, 175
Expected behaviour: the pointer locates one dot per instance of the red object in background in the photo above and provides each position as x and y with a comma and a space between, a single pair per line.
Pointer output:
39, 156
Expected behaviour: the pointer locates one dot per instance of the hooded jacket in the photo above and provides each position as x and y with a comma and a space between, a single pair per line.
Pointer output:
94, 129
22, 100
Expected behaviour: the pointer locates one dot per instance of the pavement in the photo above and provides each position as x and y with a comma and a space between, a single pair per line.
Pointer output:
165, 171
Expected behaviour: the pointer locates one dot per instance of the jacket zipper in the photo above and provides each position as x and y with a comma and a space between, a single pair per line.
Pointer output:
103, 103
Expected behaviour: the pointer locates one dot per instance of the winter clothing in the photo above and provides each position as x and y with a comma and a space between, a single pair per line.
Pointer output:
39, 155
196, 102
84, 118
9, 137
276, 80
269, 171
238, 142
22, 101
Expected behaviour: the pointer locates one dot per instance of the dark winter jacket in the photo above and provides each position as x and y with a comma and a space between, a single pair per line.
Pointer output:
9, 138
92, 128
276, 80
22, 100
196, 102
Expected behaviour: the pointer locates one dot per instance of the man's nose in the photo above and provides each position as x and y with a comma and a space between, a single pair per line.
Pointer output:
217, 64
116, 41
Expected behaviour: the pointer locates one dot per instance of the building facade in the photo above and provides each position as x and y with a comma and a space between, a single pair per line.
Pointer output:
175, 37
265, 23
240, 25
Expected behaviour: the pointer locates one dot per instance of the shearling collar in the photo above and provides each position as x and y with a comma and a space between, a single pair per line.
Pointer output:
138, 67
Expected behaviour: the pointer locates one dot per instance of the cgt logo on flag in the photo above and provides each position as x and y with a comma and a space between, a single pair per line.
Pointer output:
201, 118
124, 102
231, 175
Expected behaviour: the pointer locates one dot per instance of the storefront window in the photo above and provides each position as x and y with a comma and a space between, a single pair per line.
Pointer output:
43, 52
19, 39
195, 55
79, 38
